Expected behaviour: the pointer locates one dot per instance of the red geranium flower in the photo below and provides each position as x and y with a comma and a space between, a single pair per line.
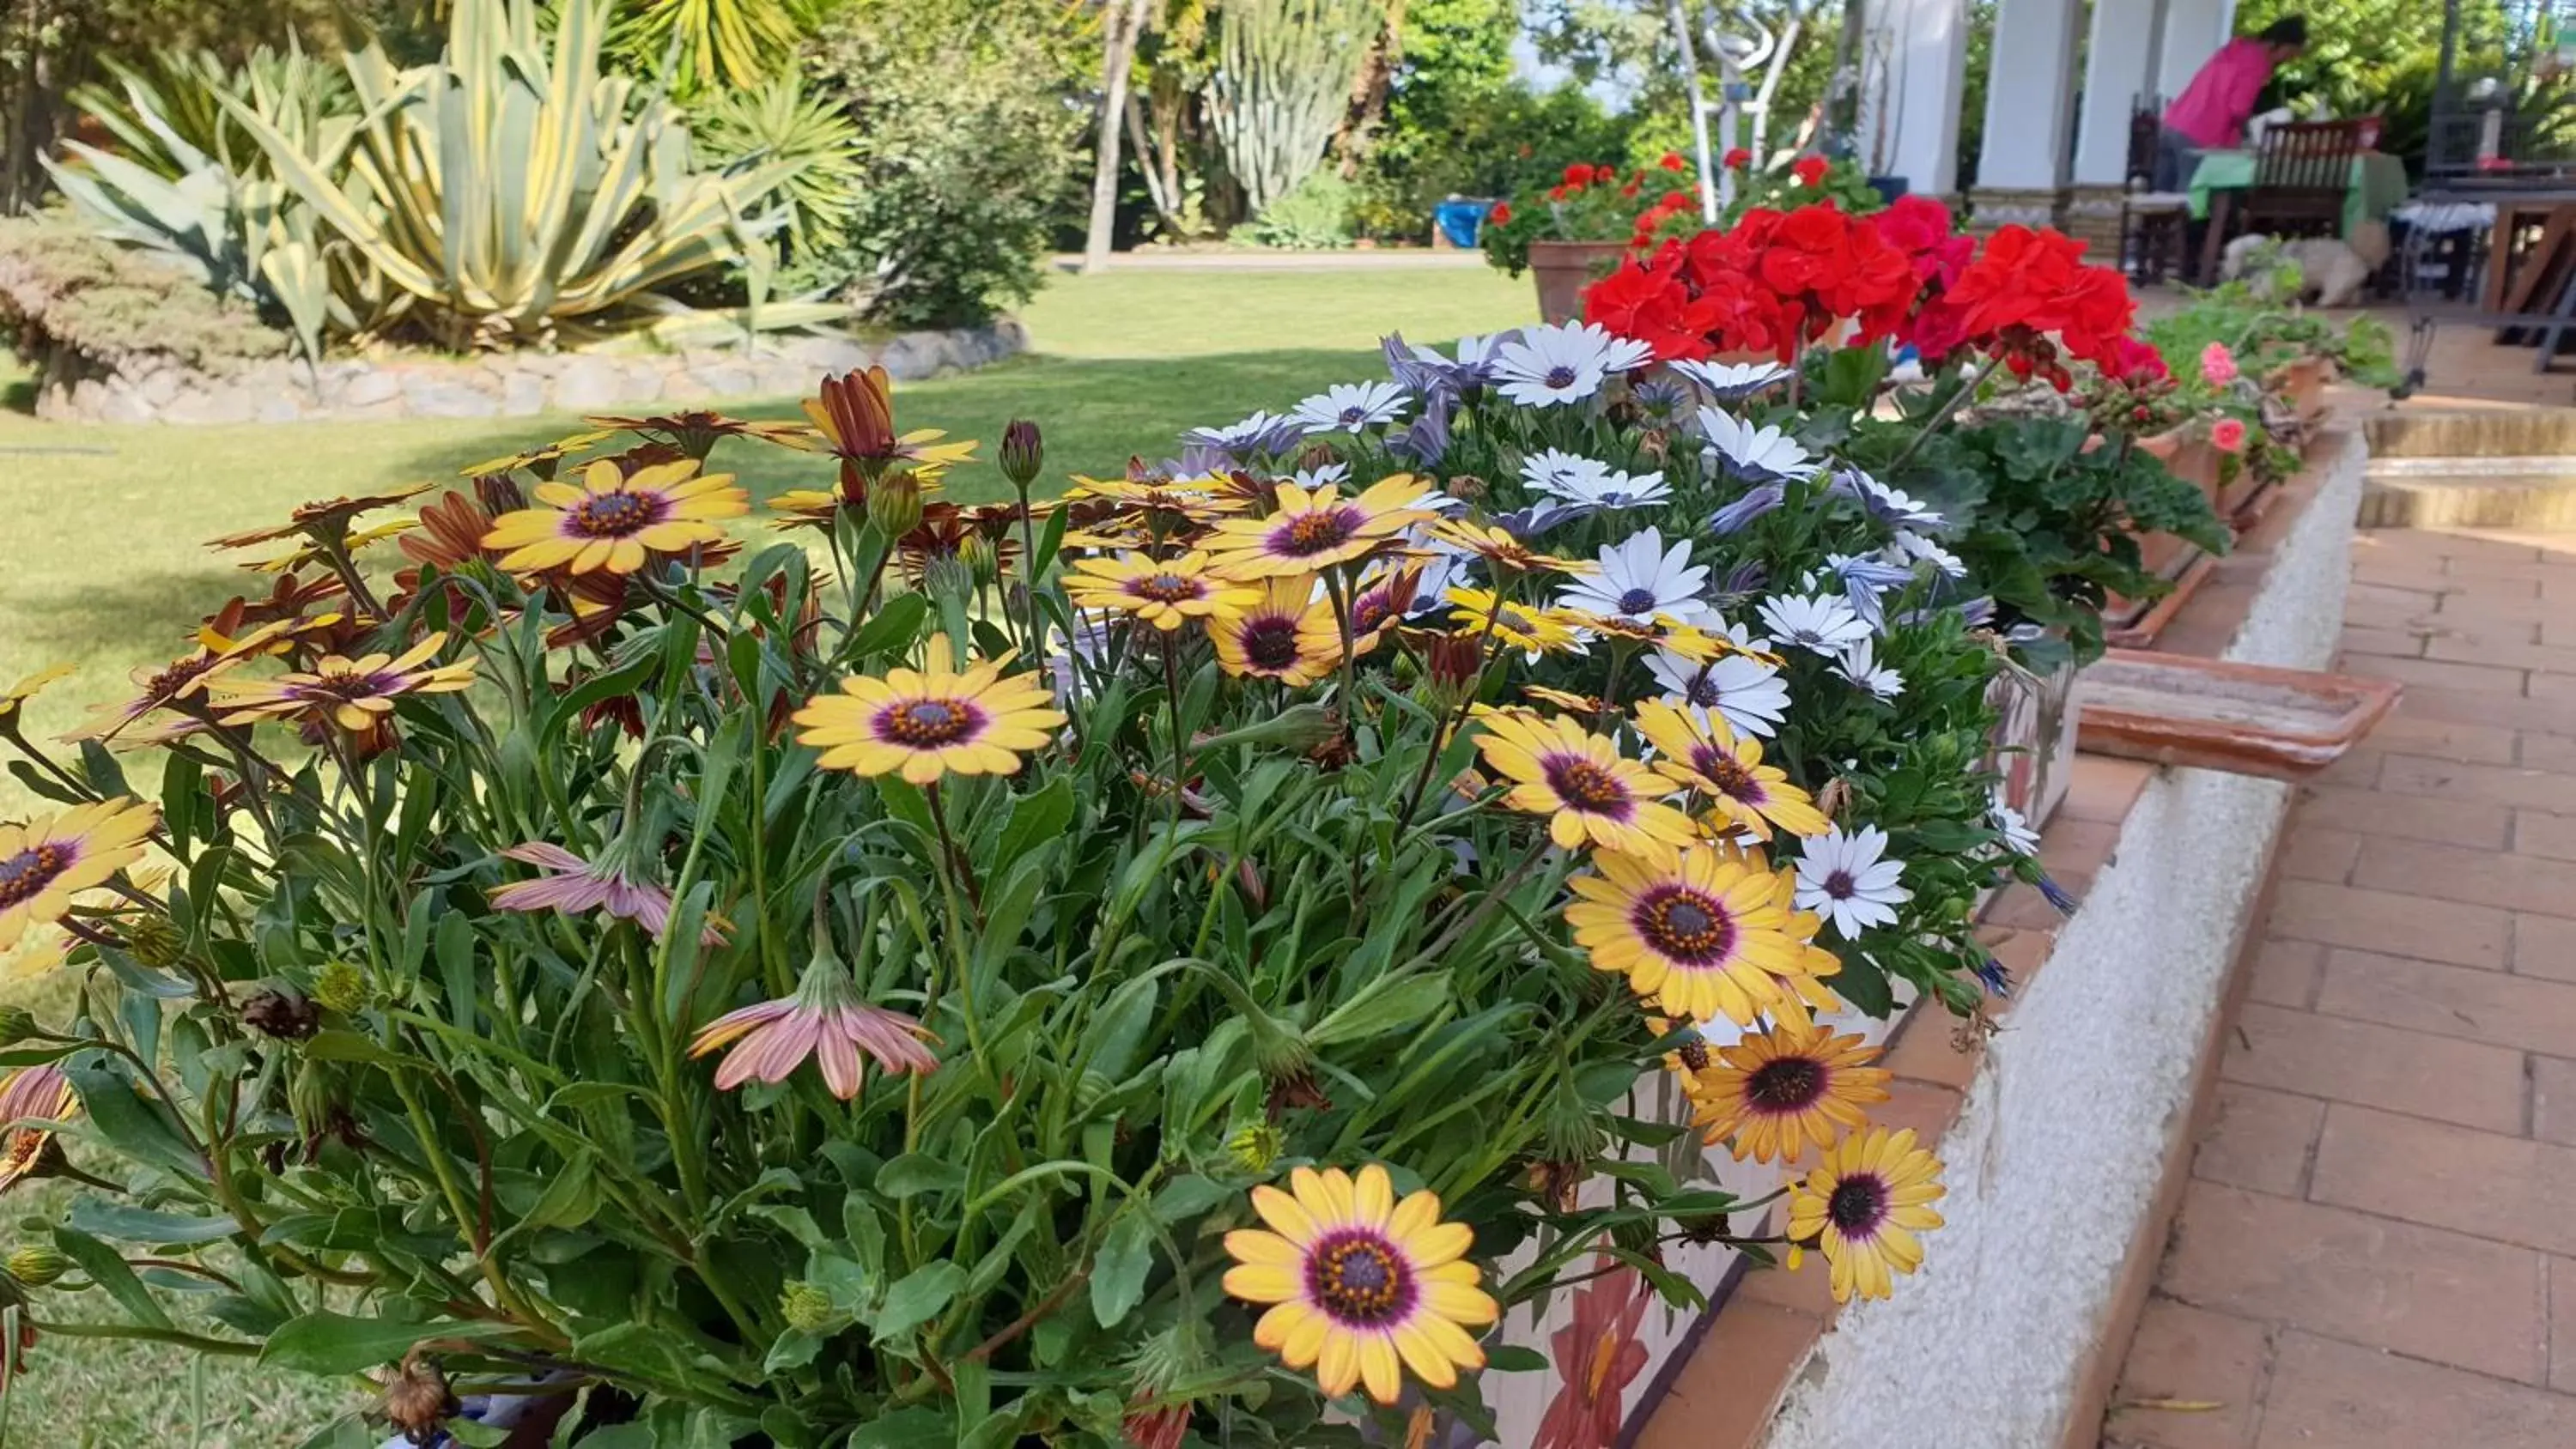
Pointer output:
1597, 1356
1557, 193
1735, 159
1810, 170
1578, 174
1501, 215
1653, 307
1672, 161
1604, 174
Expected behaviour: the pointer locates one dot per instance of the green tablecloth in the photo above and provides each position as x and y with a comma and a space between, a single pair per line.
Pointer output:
2378, 184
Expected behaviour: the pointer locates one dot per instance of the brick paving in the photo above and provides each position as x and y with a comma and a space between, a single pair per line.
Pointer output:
2377, 1249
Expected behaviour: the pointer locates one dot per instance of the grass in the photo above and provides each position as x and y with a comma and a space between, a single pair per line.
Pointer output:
102, 566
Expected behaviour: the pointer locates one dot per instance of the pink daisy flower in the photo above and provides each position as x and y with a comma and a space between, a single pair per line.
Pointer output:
824, 1020
575, 886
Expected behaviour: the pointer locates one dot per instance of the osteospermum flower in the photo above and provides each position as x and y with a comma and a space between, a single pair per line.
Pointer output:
1580, 782
824, 1020
1500, 548
354, 694
854, 412
1532, 631
1263, 434
1702, 753
1287, 633
321, 518
2017, 835
927, 723
181, 679
1745, 692
1589, 484
1861, 1207
1773, 1092
541, 459
46, 861
1819, 623
616, 520
1700, 934
13, 701
1165, 593
1758, 455
1308, 531
1733, 381
1347, 407
1362, 1287
1639, 579
39, 1099
1842, 878
1858, 664
1564, 363
575, 886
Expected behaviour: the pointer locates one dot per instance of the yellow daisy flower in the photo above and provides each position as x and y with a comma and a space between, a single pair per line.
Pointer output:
1702, 934
1362, 1287
1165, 593
541, 459
1178, 499
1307, 531
1861, 1207
354, 694
1533, 631
1287, 634
51, 858
1579, 781
927, 723
1705, 754
1774, 1092
616, 521
1503, 550
14, 701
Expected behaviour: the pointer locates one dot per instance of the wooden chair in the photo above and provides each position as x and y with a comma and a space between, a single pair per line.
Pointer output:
2302, 176
2152, 223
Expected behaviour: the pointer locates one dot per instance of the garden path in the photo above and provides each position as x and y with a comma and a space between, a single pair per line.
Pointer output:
2375, 1250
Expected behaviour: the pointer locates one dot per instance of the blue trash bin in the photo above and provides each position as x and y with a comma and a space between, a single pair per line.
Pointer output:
1460, 219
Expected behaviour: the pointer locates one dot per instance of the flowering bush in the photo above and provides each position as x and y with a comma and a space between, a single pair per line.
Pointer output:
1182, 958
1590, 203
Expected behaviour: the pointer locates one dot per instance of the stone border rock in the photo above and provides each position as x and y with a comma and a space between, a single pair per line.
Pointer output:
513, 384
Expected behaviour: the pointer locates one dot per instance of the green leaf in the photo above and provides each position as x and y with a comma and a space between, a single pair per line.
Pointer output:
141, 1225
792, 1350
918, 1172
335, 1343
1389, 1003
1034, 819
919, 1297
104, 774
1119, 1269
1187, 1197
896, 625
136, 1127
904, 1429
109, 1272
1512, 1358
477, 1436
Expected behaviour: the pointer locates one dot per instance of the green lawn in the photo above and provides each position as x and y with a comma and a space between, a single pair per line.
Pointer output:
101, 565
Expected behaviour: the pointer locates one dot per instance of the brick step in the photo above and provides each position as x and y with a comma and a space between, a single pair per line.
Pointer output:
2529, 494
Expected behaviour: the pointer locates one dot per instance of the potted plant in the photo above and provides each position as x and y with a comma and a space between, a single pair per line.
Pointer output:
1571, 232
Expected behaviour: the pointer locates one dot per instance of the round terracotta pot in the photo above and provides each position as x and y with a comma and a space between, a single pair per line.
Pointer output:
1563, 269
2302, 384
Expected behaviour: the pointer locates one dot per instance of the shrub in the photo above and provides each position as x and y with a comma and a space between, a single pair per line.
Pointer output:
967, 146
80, 305
780, 120
1487, 143
1314, 217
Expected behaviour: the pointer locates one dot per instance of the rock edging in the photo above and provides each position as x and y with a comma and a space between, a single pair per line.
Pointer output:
510, 385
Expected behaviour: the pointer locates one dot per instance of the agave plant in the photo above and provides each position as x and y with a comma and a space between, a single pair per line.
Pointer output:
180, 95
511, 189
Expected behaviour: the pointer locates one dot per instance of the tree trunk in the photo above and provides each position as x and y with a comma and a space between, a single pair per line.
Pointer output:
1369, 91
1125, 22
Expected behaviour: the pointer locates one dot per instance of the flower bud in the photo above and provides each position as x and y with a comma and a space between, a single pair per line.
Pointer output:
1023, 453
981, 558
37, 1265
948, 577
894, 503
809, 1309
1256, 1147
340, 986
1451, 663
1467, 488
418, 1401
154, 939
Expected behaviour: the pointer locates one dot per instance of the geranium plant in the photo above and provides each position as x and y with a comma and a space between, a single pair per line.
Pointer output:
1589, 203
1180, 960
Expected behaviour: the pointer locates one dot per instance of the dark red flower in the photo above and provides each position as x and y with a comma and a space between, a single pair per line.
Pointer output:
1810, 170
1736, 159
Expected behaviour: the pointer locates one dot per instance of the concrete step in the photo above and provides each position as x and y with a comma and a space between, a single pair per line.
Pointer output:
2526, 494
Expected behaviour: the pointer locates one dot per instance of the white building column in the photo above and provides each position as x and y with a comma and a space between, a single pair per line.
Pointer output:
2194, 30
1910, 117
2030, 105
2119, 71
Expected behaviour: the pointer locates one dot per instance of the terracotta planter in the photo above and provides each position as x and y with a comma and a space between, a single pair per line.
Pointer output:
2244, 718
1563, 269
2195, 461
2302, 384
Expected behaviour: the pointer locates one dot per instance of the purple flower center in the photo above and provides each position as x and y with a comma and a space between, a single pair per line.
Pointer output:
1728, 774
1360, 1278
1561, 376
1858, 1205
25, 875
1840, 885
1685, 925
1166, 588
614, 515
1313, 533
1785, 1084
343, 686
1637, 601
927, 723
1270, 642
1353, 417
1586, 786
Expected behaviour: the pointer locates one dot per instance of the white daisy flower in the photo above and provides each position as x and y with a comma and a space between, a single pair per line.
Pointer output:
1747, 693
1311, 479
1591, 484
1733, 381
1548, 366
1922, 548
1347, 407
1757, 454
1858, 663
1639, 579
1473, 365
2019, 838
1894, 505
1821, 623
1841, 878
1261, 433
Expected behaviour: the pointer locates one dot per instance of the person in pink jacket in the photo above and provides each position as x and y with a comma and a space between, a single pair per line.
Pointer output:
2211, 112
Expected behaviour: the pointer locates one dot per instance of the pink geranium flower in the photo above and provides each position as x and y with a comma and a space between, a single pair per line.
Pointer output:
824, 1020
576, 886
2217, 365
2228, 434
